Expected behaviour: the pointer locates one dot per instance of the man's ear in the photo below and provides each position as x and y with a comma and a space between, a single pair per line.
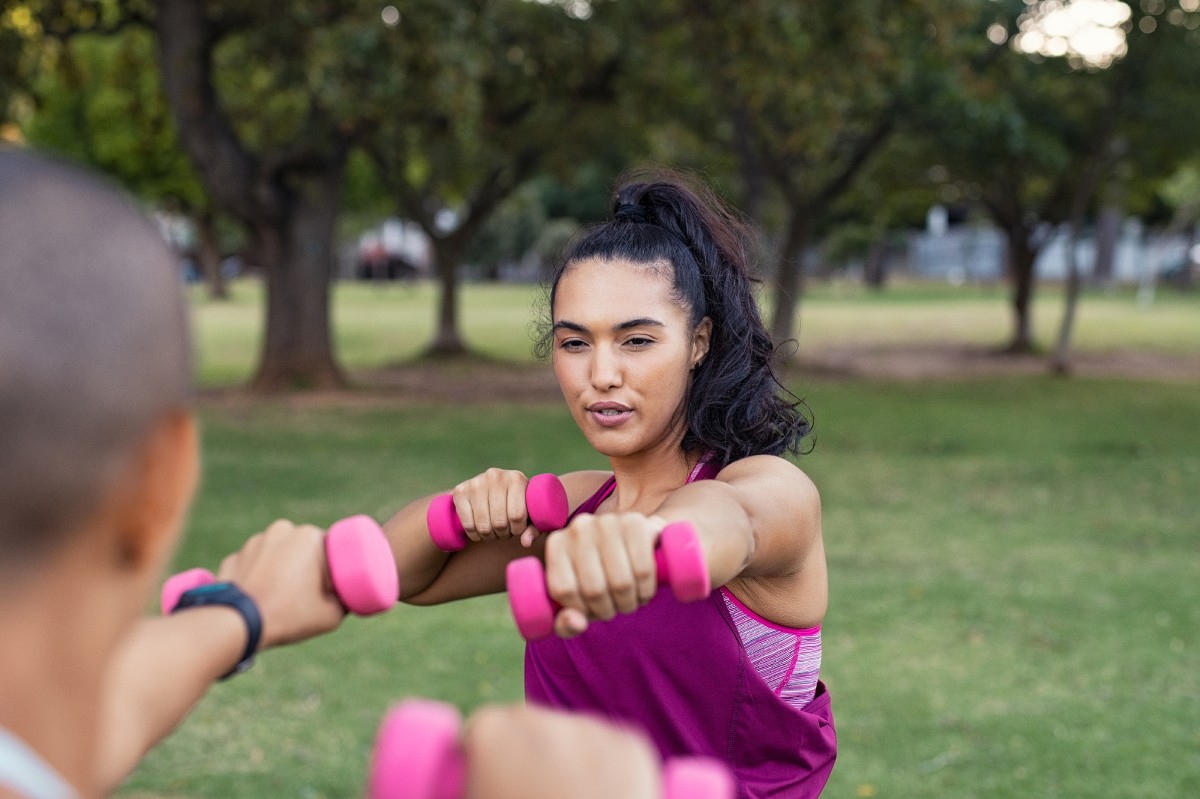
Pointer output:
701, 340
154, 494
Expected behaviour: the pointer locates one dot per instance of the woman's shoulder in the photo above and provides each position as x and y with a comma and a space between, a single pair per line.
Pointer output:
581, 485
764, 467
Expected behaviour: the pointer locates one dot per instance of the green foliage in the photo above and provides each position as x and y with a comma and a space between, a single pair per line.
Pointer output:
796, 90
102, 104
1182, 191
509, 233
1022, 132
478, 95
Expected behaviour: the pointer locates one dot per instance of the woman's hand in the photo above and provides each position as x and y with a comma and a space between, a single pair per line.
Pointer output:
491, 506
599, 566
284, 570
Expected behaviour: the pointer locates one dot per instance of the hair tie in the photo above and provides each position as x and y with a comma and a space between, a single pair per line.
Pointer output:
634, 212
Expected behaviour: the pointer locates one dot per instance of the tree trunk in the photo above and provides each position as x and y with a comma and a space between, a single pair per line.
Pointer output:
289, 209
875, 268
297, 258
1108, 231
447, 254
208, 254
1022, 254
788, 282
1060, 364
754, 178
1188, 280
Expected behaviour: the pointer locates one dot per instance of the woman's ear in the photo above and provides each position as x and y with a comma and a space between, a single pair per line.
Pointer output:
154, 496
700, 341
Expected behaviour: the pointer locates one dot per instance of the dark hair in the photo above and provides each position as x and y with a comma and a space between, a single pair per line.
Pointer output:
734, 408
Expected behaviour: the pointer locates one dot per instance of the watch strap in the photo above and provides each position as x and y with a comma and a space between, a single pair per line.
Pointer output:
229, 595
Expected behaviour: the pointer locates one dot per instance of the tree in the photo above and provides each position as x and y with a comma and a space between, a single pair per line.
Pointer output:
1033, 136
802, 95
486, 93
100, 102
256, 96
17, 27
265, 107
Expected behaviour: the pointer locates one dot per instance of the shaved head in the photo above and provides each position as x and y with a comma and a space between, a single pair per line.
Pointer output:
93, 348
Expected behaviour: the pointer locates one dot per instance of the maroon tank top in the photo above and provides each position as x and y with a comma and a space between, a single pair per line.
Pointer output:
680, 673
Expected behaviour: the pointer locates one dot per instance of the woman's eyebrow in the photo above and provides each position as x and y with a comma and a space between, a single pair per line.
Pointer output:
641, 321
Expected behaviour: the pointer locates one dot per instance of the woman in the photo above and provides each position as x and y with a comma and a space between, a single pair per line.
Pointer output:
664, 362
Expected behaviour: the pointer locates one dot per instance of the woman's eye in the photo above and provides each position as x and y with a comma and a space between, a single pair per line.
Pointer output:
638, 342
571, 344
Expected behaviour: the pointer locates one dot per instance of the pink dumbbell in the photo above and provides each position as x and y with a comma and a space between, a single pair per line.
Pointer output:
361, 568
678, 559
545, 502
418, 754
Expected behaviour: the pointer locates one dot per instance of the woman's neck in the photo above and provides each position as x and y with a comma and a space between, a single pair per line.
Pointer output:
644, 480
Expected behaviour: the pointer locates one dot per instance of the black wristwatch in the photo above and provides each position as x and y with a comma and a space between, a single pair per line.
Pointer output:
231, 596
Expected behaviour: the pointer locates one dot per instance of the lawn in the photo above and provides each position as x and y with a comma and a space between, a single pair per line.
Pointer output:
381, 324
1015, 591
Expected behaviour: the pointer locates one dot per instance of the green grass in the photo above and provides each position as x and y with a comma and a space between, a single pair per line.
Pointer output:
377, 325
1015, 591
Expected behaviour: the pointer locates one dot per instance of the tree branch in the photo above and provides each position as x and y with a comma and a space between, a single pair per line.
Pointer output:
185, 44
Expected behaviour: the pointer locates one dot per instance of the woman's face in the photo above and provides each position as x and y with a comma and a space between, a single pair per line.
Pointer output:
623, 354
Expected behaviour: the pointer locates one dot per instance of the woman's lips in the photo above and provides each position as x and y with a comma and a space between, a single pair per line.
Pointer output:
609, 414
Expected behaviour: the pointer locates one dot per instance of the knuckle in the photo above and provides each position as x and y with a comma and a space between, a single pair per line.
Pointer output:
621, 587
594, 594
644, 574
604, 611
562, 590
581, 529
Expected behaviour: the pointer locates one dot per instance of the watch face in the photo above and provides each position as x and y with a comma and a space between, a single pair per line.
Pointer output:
203, 594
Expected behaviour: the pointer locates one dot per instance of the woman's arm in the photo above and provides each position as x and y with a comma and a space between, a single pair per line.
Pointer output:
491, 507
759, 525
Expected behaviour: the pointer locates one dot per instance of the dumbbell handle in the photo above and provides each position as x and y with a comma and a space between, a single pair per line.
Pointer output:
418, 754
678, 560
545, 503
361, 567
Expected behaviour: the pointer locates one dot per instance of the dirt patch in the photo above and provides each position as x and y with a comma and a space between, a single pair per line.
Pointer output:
480, 382
951, 361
